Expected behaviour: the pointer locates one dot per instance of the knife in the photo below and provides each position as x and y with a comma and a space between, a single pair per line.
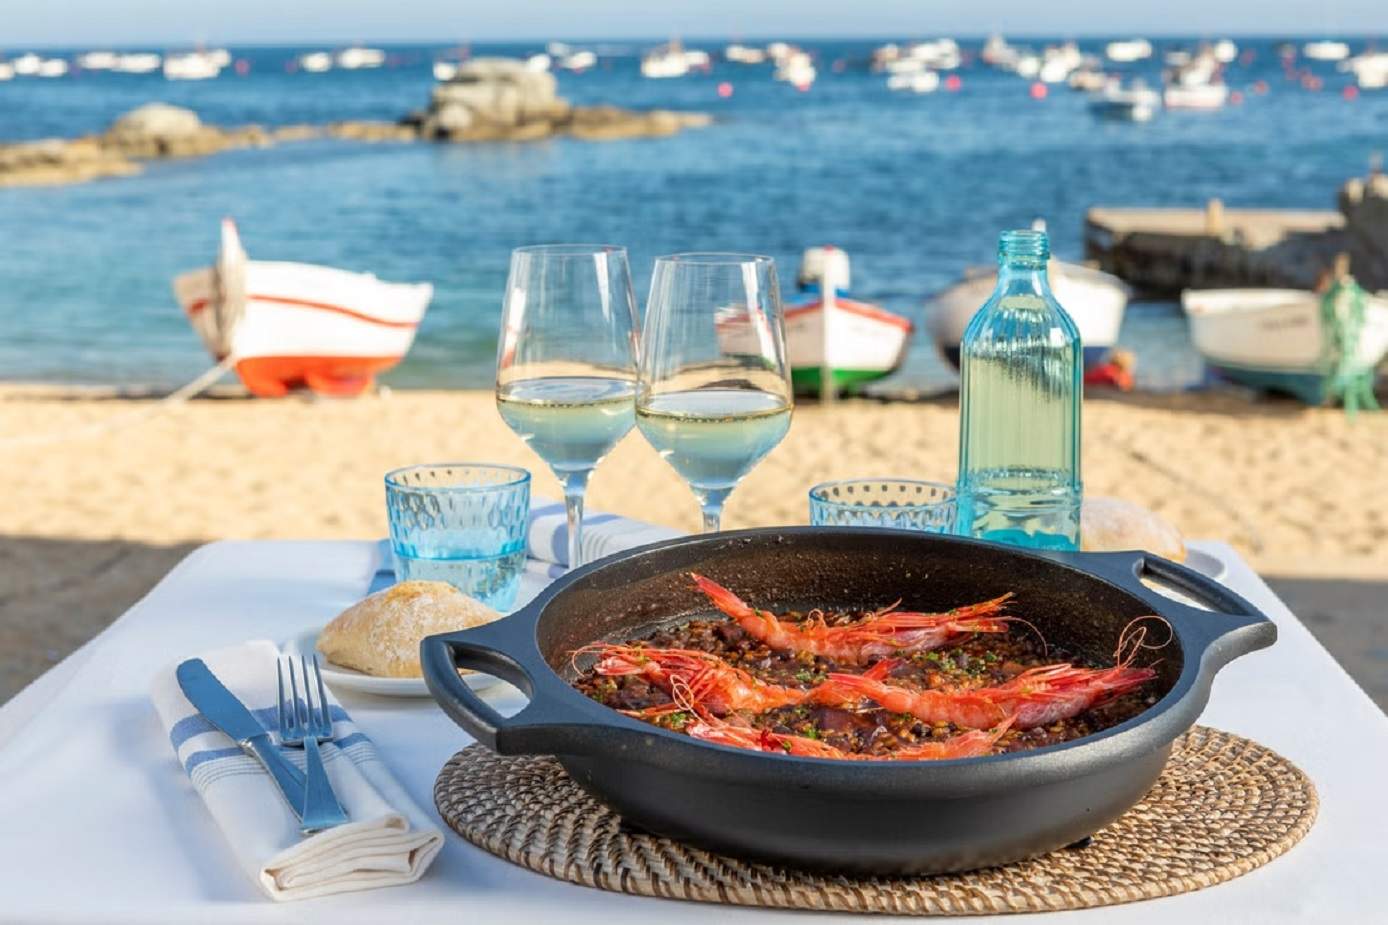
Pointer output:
221, 708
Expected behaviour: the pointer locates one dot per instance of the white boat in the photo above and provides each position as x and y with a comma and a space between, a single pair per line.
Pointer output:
27, 65
996, 52
1058, 61
664, 62
744, 54
1126, 52
193, 65
316, 62
1224, 51
1272, 338
778, 49
578, 61
1028, 65
97, 60
140, 62
935, 54
357, 58
220, 56
1094, 299
444, 71
1088, 80
6, 71
1199, 96
52, 67
796, 69
1370, 69
539, 62
287, 325
1325, 51
923, 82
856, 342
1134, 103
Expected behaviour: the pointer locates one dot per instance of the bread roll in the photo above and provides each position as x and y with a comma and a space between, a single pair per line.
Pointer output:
1109, 524
380, 634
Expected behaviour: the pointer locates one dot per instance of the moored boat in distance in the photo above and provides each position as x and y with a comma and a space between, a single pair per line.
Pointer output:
138, 62
1325, 50
193, 65
27, 65
921, 82
796, 68
1136, 102
670, 60
358, 57
1272, 338
578, 61
97, 60
855, 342
744, 54
1128, 51
1370, 69
1224, 51
289, 325
6, 71
316, 62
1095, 301
1196, 85
52, 67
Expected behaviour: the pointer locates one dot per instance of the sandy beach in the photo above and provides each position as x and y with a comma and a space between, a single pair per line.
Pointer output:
92, 521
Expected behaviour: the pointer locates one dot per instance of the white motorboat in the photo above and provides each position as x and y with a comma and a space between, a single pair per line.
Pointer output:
358, 58
1126, 52
1088, 80
797, 69
193, 65
287, 325
855, 342
1370, 69
52, 67
539, 63
139, 62
996, 52
1134, 103
316, 62
445, 71
6, 71
1094, 299
744, 54
97, 60
1058, 61
1199, 96
1272, 338
578, 61
1325, 51
664, 62
1224, 51
923, 82
27, 65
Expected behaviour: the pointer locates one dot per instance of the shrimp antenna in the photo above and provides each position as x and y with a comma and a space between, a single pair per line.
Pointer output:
1133, 639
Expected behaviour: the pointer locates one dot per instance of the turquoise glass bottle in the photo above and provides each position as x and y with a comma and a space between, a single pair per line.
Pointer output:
1021, 382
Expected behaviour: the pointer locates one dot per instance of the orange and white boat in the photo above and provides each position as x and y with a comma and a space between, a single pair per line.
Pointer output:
285, 326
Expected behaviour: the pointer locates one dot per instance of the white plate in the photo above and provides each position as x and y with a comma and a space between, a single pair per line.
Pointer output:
336, 676
1206, 564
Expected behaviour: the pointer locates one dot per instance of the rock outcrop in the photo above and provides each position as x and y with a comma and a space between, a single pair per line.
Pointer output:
500, 99
1364, 204
491, 99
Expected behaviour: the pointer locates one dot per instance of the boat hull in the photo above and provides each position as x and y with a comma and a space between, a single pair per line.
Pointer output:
305, 326
1271, 339
859, 342
1095, 301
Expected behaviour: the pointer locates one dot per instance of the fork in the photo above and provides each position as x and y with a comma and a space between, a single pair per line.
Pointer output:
302, 725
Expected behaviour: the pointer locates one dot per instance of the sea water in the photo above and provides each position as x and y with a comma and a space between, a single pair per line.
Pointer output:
491, 577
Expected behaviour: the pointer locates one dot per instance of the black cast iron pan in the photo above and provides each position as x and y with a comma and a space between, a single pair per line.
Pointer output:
861, 817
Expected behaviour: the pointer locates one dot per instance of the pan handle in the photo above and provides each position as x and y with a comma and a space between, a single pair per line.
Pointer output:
1230, 628
506, 649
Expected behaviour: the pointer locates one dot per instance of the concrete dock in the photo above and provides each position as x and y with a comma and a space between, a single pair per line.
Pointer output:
1162, 251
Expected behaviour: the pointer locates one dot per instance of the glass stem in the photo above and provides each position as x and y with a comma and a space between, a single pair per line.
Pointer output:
575, 486
711, 503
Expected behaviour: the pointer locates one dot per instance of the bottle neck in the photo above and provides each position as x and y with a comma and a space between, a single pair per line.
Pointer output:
1021, 275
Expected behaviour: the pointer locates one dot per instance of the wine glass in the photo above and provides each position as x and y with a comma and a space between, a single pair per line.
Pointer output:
566, 361
713, 394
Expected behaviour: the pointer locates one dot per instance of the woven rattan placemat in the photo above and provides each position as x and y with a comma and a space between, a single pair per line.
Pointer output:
1223, 806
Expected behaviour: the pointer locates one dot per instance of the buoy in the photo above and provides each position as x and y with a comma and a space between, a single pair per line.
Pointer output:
725, 89
803, 86
840, 65
1260, 86
1038, 91
953, 82
243, 67
1350, 92
1236, 98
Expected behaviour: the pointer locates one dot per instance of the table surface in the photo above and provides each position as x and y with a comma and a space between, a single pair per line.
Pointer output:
147, 851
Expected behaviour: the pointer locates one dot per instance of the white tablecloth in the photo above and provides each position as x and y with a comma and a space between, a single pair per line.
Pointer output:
99, 824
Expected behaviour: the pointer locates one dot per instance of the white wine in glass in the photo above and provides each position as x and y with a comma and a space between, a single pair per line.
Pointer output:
566, 363
713, 395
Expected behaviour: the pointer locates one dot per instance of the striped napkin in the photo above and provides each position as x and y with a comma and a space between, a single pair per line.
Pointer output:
547, 542
389, 840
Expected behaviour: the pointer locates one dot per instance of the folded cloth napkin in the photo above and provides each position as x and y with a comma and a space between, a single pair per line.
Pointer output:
389, 840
